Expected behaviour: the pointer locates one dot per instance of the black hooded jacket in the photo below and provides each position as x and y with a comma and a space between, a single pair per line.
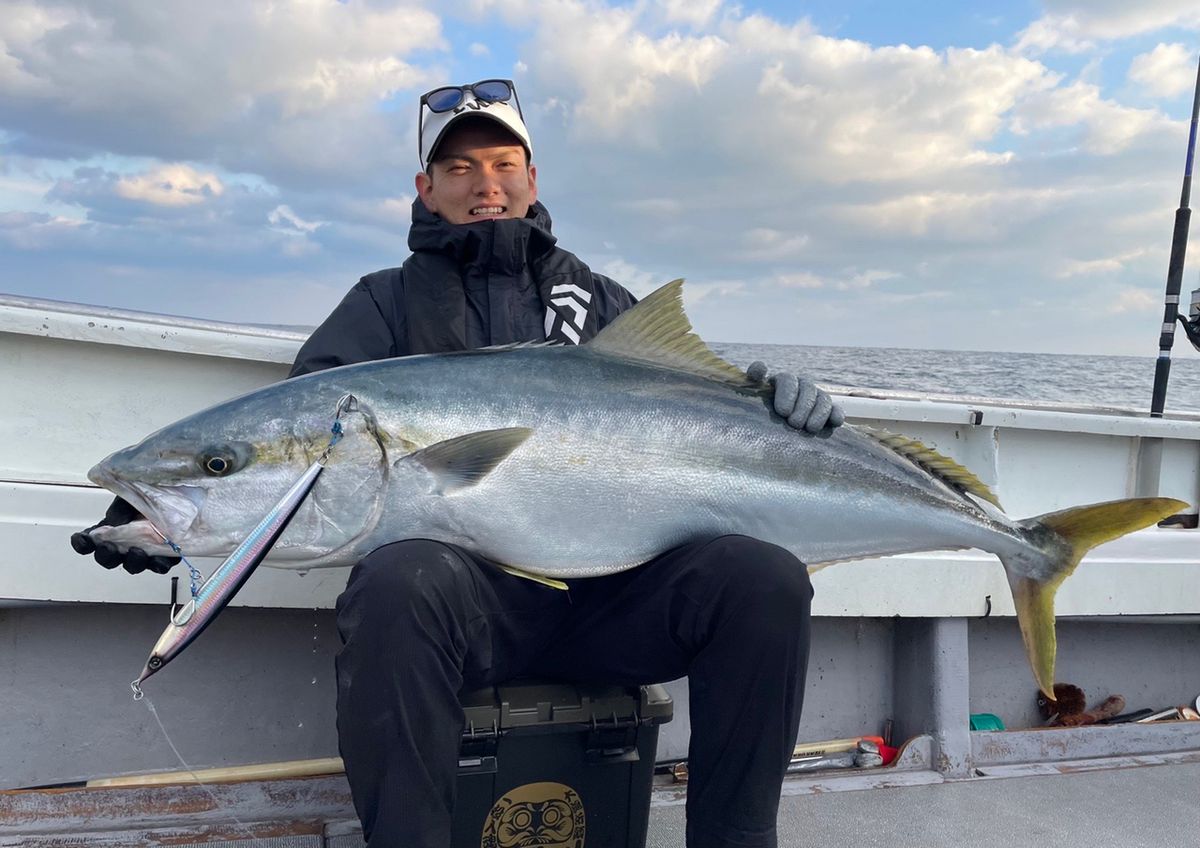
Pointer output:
464, 287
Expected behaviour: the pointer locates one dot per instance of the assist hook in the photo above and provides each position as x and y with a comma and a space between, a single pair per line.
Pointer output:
346, 403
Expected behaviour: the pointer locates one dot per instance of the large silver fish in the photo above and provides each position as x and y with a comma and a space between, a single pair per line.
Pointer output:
582, 461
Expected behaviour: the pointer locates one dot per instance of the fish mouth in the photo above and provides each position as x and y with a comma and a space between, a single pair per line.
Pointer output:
171, 510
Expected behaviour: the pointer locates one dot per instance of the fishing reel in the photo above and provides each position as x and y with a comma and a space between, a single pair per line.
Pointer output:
1191, 324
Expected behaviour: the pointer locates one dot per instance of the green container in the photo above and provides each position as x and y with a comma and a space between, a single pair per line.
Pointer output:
557, 765
986, 721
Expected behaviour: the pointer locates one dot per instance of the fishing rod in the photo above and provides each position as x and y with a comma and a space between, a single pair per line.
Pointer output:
1191, 324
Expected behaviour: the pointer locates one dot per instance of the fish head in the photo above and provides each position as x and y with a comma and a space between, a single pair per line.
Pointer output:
206, 481
197, 482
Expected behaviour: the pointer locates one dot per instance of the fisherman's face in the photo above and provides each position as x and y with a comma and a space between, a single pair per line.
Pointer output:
480, 174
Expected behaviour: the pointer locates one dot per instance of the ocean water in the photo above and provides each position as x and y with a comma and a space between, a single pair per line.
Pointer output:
1126, 382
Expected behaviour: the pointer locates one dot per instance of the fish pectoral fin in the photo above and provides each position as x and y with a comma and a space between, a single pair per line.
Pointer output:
656, 331
463, 461
536, 578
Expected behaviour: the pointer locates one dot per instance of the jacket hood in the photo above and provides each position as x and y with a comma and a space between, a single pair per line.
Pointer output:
506, 244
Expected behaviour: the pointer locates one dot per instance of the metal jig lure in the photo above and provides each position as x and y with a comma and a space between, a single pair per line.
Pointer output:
189, 621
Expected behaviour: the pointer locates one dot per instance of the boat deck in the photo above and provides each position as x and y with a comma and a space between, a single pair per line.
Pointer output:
1127, 807
1123, 802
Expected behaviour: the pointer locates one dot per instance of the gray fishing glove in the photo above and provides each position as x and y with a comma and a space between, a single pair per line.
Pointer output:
798, 400
134, 560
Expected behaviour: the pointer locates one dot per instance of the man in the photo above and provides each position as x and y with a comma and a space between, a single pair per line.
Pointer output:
421, 620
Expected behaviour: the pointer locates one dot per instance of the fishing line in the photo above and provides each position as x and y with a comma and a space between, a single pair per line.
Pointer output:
213, 795
195, 578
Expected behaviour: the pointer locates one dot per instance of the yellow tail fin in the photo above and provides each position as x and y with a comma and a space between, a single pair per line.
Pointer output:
1064, 537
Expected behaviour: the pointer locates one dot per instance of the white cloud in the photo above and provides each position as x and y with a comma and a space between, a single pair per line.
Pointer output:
285, 87
1112, 19
1108, 126
170, 185
642, 282
767, 244
329, 82
839, 109
640, 70
694, 12
819, 107
285, 220
27, 189
1134, 300
708, 290
772, 36
752, 87
1106, 265
849, 280
898, 298
986, 215
638, 280
22, 28
34, 231
865, 279
1073, 26
799, 280
1061, 33
479, 49
1166, 71
658, 207
396, 210
23, 185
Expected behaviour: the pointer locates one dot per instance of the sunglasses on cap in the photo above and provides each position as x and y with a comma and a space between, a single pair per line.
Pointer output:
490, 91
450, 97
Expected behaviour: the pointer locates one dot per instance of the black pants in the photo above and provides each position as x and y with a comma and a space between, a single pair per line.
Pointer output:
421, 620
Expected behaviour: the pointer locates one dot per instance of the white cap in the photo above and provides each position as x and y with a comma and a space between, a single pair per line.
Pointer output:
436, 124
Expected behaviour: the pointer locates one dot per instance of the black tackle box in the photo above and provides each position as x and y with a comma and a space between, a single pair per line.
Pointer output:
557, 765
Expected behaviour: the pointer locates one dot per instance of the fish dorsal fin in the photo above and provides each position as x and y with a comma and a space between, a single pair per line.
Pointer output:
656, 331
940, 466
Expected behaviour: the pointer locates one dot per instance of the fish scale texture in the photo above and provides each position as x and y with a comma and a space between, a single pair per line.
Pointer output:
1122, 808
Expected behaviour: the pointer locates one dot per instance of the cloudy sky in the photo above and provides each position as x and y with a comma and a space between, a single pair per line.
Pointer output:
997, 176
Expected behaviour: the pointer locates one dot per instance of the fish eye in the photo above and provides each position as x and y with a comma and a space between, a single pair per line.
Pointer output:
223, 460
